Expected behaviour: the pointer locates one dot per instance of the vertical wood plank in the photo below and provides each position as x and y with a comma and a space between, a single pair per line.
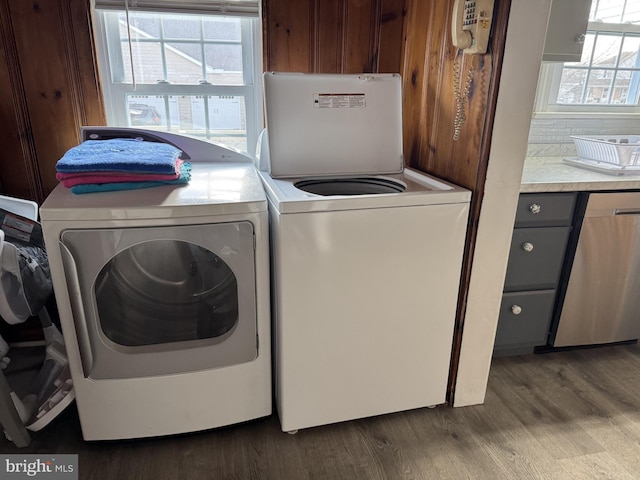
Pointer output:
43, 64
328, 42
83, 60
357, 51
55, 81
287, 36
390, 38
19, 175
417, 35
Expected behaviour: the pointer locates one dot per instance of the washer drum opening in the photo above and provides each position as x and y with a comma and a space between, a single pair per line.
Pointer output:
350, 186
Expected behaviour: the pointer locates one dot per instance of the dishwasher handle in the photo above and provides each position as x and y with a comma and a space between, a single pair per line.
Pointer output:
609, 204
626, 211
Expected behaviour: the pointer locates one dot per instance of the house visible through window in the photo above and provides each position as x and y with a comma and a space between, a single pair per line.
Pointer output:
187, 73
607, 78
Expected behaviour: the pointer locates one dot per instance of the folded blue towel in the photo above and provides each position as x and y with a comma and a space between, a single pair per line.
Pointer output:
185, 176
120, 154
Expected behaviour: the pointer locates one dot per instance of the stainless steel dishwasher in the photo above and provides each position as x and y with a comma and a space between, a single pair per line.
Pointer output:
602, 300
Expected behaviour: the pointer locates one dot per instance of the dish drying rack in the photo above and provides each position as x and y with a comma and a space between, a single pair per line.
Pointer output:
613, 154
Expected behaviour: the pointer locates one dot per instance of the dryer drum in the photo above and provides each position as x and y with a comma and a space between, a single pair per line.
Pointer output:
165, 291
350, 186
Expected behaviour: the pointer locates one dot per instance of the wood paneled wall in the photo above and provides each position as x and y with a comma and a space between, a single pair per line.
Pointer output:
49, 88
430, 61
333, 36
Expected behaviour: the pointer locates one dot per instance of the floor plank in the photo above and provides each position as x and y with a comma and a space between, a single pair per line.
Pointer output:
573, 414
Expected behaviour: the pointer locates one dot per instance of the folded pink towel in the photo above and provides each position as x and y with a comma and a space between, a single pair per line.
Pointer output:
71, 179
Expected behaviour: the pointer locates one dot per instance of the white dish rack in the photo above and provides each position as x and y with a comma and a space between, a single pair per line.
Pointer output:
622, 150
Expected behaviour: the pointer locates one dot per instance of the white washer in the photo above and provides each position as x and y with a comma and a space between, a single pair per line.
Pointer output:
163, 296
366, 255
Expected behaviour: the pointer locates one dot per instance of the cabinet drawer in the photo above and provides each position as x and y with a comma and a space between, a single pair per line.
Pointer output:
545, 209
525, 318
535, 258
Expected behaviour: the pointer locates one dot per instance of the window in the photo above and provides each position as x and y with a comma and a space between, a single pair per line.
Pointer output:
193, 73
607, 77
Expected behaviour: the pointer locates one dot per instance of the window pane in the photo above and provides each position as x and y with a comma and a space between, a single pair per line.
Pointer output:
571, 85
621, 87
222, 29
187, 114
629, 55
142, 25
177, 26
227, 120
184, 63
226, 112
224, 64
607, 11
147, 62
146, 111
587, 49
598, 86
632, 12
607, 48
615, 11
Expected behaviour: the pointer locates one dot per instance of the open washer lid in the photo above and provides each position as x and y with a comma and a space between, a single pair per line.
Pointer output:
333, 124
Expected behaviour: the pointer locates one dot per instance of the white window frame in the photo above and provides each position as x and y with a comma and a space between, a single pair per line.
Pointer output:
549, 84
115, 91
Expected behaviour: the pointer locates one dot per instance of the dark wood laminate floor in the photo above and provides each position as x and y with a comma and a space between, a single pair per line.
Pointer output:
569, 415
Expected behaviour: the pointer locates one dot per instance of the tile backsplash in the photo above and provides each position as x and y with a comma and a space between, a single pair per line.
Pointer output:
550, 137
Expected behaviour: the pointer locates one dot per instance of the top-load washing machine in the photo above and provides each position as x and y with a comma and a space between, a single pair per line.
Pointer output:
366, 254
163, 295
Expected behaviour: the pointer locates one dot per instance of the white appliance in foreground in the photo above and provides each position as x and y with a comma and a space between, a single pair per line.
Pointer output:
366, 255
163, 295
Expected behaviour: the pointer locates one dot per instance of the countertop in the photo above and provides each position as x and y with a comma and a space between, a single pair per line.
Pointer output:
552, 174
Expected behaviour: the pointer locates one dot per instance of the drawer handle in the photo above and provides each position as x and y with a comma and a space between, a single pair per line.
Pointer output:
535, 208
516, 309
527, 247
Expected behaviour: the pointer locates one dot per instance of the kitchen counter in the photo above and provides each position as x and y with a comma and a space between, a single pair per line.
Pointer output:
552, 174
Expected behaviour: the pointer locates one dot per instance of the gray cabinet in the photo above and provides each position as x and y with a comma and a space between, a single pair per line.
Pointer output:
535, 258
566, 30
521, 314
542, 227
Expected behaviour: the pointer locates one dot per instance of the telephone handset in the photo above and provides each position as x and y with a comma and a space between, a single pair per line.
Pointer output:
471, 25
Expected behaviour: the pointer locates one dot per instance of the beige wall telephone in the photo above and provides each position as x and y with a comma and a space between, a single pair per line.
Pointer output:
471, 25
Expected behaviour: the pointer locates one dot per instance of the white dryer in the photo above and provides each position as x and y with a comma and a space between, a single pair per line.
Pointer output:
163, 296
366, 254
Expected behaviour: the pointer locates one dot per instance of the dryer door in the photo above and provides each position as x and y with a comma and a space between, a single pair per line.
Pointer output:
156, 301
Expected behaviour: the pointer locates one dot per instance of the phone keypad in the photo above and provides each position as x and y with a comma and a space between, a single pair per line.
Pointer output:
470, 18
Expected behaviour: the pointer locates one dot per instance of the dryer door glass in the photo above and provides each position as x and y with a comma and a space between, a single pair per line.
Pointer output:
162, 300
164, 291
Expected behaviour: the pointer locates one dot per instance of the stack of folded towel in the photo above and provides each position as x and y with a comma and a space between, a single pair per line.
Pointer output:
121, 164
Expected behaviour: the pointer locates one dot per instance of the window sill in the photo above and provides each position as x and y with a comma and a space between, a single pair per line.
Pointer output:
591, 115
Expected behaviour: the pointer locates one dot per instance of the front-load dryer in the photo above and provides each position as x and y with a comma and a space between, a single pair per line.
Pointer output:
163, 296
366, 254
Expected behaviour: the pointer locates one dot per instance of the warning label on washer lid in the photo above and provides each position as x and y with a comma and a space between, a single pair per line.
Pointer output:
339, 100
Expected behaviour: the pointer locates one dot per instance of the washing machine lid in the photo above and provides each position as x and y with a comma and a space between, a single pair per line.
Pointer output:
333, 124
